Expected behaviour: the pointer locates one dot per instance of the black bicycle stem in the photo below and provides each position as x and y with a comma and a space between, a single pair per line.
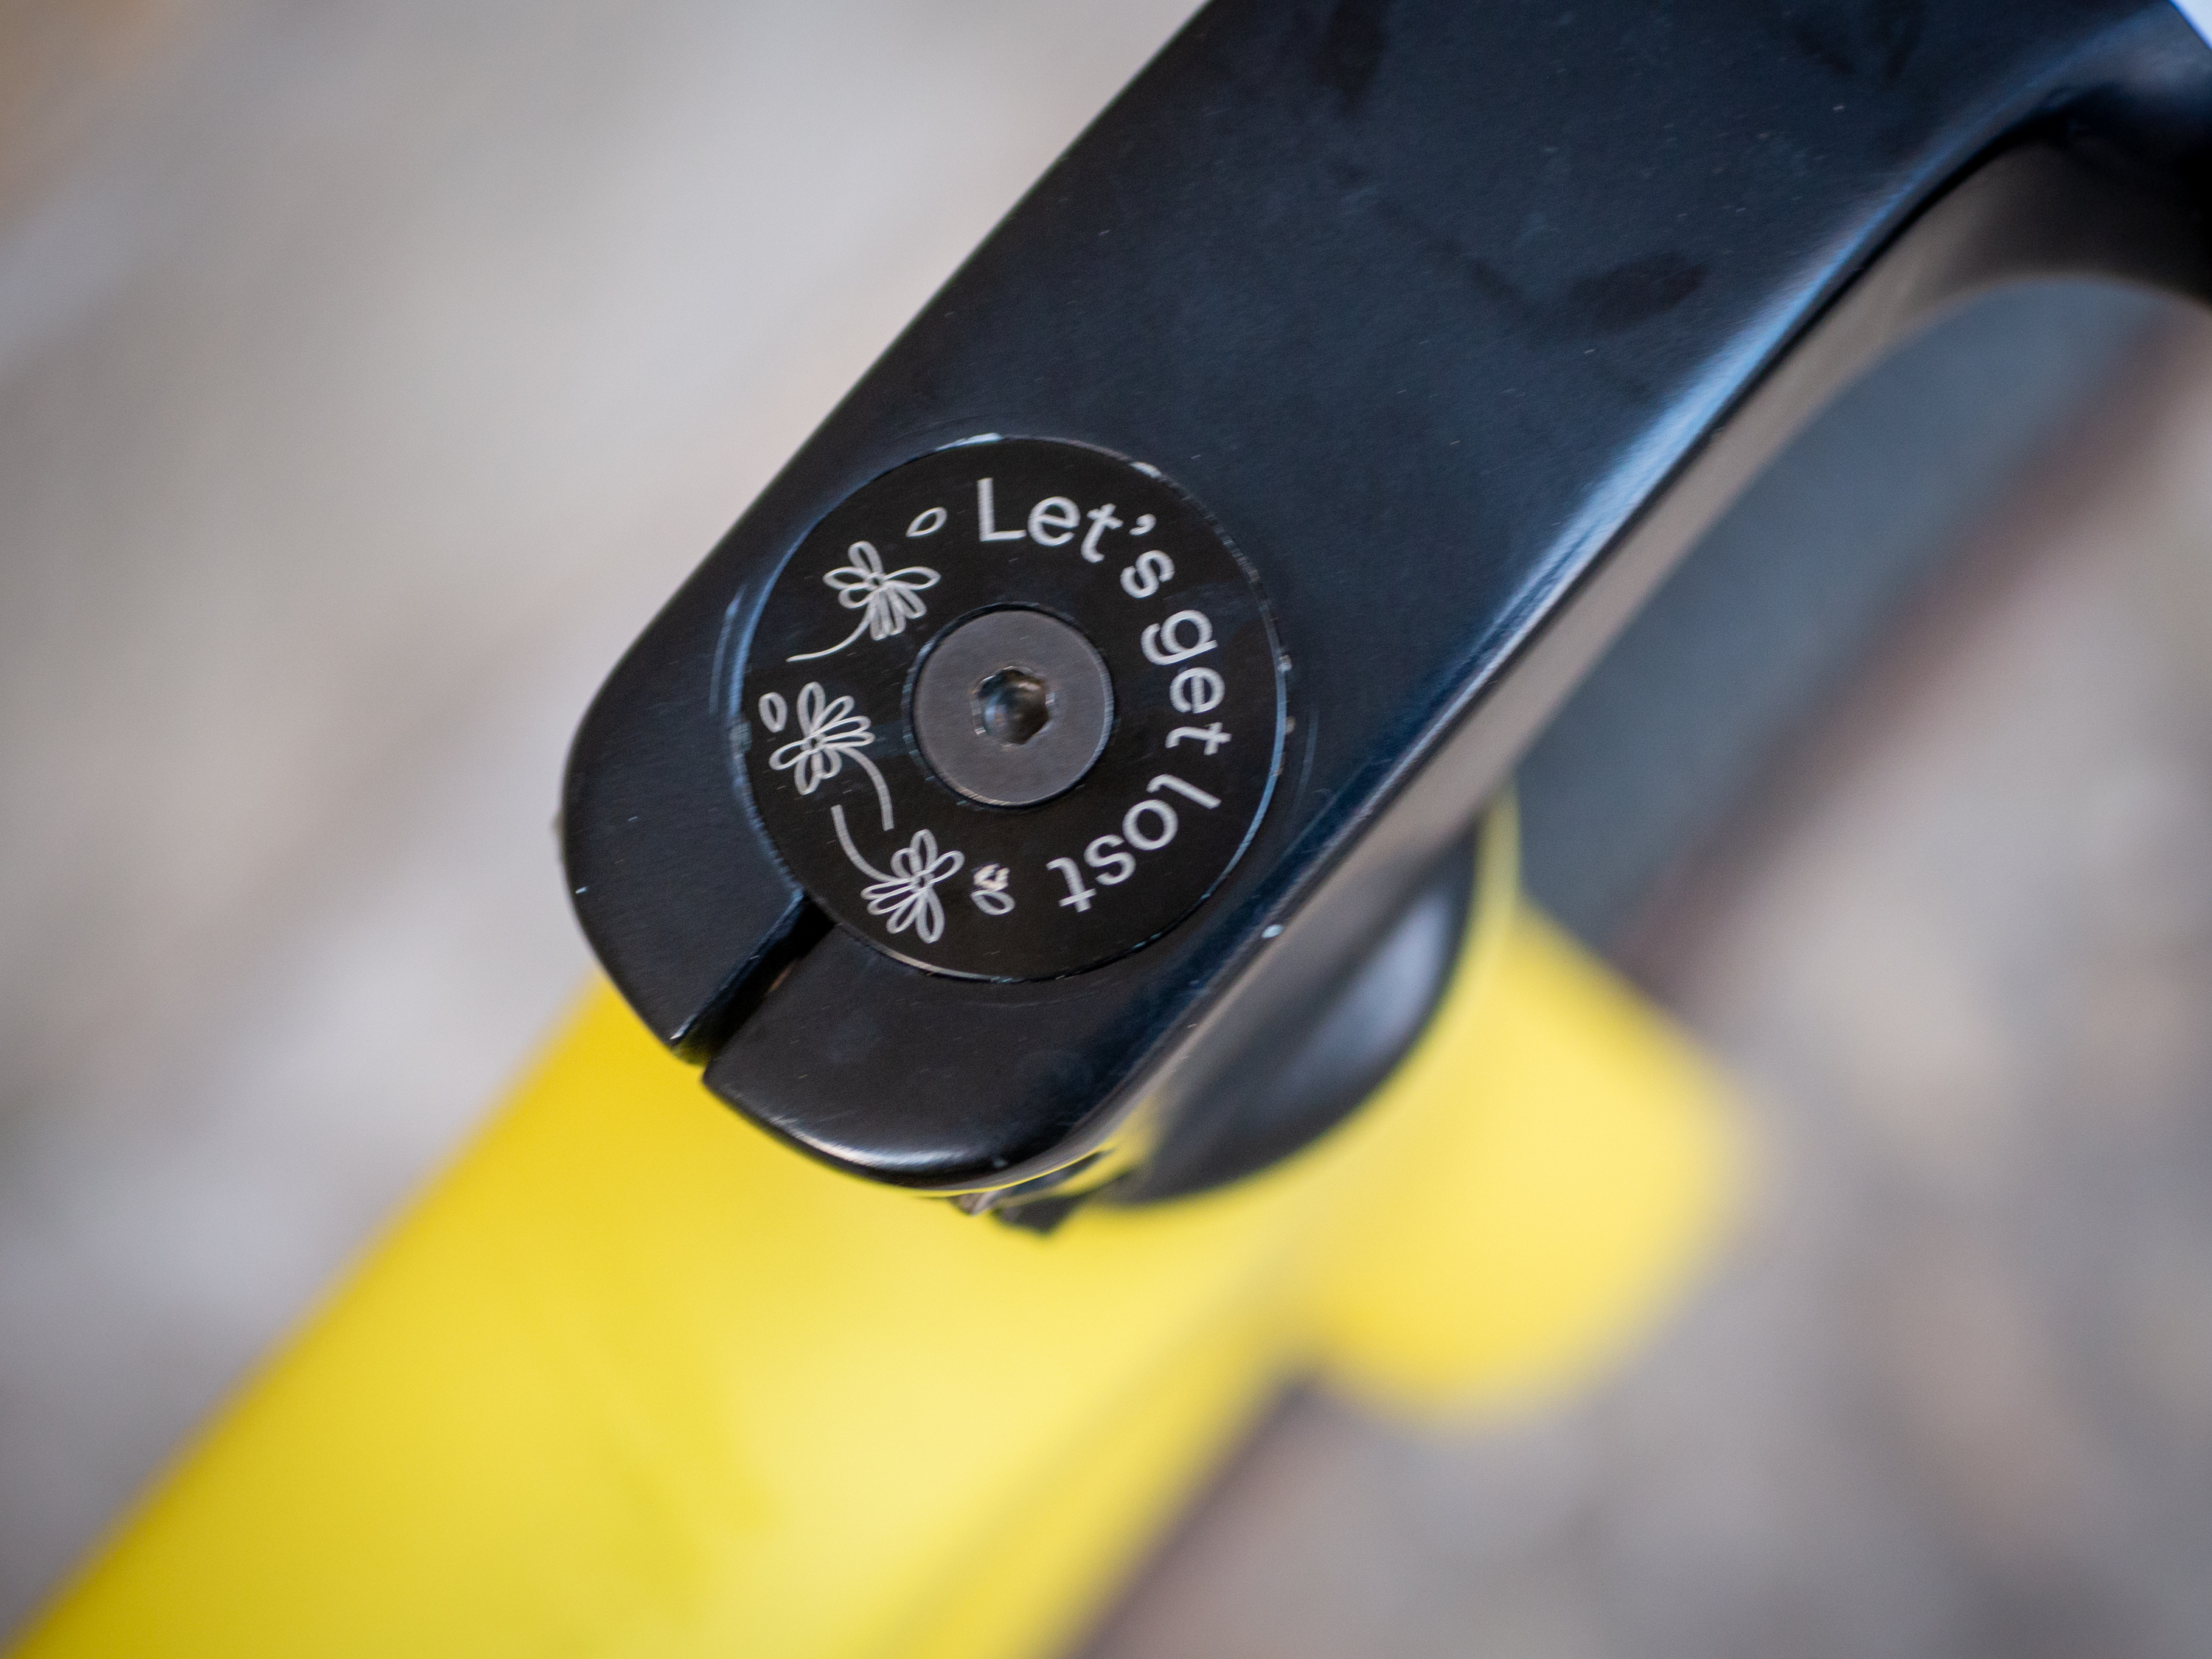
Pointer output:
1062, 775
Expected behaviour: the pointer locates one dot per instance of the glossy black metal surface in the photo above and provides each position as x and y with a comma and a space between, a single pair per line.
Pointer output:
1316, 1059
1463, 322
1778, 605
1106, 563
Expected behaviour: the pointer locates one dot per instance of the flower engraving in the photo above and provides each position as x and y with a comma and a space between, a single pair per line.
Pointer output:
989, 892
907, 897
888, 600
830, 731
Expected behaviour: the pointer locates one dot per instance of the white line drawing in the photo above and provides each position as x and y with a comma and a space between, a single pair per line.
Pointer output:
829, 734
887, 599
773, 713
928, 522
908, 897
1143, 525
989, 893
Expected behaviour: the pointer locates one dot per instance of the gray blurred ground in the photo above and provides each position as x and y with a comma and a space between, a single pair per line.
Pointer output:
368, 372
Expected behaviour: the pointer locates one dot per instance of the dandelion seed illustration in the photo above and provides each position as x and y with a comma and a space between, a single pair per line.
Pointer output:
888, 600
989, 892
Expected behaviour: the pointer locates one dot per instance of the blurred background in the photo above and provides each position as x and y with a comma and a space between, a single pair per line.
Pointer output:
370, 372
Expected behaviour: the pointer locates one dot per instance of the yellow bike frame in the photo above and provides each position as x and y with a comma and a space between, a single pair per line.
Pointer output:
633, 1378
